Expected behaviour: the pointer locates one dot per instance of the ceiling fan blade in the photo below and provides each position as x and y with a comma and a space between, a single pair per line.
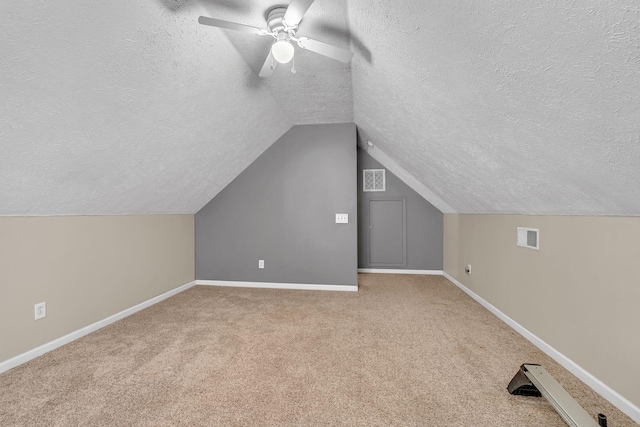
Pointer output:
296, 11
269, 66
232, 26
337, 53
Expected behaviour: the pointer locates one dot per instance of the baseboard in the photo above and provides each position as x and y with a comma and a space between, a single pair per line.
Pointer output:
59, 342
313, 287
598, 386
399, 271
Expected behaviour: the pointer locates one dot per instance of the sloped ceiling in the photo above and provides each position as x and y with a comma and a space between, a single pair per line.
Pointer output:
506, 107
125, 107
496, 107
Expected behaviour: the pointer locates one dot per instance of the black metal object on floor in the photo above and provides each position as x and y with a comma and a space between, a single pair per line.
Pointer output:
534, 380
602, 420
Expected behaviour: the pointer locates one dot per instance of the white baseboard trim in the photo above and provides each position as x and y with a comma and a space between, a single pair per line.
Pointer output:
59, 342
399, 271
598, 386
312, 287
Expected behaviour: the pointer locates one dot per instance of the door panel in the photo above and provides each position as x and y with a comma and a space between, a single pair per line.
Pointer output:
387, 232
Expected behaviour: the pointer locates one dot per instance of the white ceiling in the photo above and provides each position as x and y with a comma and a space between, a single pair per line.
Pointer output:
132, 107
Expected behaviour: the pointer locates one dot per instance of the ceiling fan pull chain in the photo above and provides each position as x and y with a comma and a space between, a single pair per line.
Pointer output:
293, 65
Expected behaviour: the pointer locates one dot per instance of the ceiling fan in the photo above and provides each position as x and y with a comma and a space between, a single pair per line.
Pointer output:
282, 25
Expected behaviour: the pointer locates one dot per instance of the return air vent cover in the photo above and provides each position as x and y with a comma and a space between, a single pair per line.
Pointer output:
373, 180
529, 238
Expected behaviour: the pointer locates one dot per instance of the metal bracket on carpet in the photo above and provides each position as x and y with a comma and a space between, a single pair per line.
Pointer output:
534, 380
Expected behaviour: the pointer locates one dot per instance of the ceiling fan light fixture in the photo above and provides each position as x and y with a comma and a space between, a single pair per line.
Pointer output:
282, 25
282, 51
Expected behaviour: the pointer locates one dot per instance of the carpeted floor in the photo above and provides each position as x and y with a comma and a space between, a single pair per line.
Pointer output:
404, 350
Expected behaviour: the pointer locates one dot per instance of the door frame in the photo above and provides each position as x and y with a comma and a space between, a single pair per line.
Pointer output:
404, 230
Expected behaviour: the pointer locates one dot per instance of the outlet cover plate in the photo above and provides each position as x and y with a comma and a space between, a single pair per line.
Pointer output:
342, 218
40, 310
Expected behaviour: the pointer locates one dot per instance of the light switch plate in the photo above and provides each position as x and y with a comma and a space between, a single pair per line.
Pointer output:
342, 218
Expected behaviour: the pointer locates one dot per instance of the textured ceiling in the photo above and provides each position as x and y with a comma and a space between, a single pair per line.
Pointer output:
132, 107
510, 107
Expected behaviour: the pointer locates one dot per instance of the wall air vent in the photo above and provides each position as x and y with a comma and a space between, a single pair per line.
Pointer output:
373, 180
529, 238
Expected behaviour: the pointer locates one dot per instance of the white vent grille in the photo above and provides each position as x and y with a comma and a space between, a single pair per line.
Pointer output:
529, 238
373, 180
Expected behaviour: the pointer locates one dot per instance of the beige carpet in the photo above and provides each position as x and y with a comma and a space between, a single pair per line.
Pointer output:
404, 350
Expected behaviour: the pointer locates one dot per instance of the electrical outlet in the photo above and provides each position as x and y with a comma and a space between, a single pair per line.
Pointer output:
261, 263
468, 269
40, 310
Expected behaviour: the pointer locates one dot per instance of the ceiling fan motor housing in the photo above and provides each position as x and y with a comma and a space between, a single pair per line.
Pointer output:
275, 19
284, 33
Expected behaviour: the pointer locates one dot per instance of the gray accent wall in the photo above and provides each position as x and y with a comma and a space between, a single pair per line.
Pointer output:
424, 222
281, 209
